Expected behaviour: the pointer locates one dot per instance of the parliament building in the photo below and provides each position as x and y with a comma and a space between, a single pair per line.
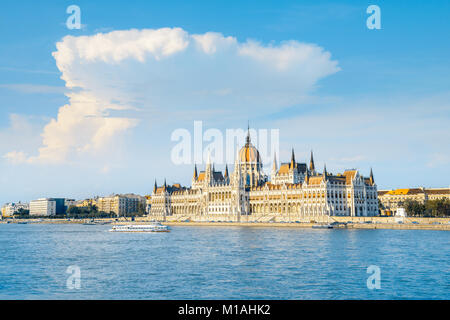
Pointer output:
295, 191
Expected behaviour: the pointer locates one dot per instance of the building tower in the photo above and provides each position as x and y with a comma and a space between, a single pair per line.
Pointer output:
312, 168
274, 167
250, 164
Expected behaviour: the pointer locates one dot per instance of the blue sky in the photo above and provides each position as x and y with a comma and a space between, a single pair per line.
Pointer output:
387, 107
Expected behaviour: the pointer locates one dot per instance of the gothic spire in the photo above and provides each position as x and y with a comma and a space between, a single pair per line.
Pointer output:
372, 180
195, 172
226, 171
311, 163
274, 166
155, 187
325, 173
292, 159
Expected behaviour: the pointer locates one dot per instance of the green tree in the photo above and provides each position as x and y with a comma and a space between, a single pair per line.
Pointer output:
438, 208
414, 208
22, 213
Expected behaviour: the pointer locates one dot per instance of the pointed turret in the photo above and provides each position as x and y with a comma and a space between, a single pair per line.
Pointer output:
165, 184
292, 159
226, 171
155, 187
311, 164
195, 172
372, 180
325, 173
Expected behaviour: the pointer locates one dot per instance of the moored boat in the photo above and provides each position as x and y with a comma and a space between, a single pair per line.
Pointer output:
322, 226
140, 228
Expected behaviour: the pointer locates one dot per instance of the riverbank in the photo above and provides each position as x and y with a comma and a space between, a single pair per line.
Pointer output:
310, 225
350, 223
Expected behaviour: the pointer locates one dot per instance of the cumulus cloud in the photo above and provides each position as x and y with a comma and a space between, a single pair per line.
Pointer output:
115, 76
22, 133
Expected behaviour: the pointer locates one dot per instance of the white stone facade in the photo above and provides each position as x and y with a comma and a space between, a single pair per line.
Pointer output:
294, 190
43, 207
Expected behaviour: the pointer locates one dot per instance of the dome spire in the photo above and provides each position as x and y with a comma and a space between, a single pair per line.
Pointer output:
248, 133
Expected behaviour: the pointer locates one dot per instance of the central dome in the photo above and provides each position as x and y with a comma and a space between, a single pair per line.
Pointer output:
248, 153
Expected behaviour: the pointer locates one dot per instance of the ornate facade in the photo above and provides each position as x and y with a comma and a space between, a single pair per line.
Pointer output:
294, 189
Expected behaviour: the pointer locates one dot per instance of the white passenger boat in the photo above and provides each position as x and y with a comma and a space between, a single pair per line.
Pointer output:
156, 227
322, 226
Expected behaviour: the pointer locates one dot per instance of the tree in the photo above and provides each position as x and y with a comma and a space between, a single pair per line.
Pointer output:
414, 208
23, 213
73, 211
438, 208
141, 208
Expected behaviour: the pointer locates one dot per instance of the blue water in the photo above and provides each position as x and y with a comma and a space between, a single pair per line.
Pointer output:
222, 263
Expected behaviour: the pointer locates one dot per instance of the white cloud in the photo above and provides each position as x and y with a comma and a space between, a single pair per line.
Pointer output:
22, 133
169, 72
83, 126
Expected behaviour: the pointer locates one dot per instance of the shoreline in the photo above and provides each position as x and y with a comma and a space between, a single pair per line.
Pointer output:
310, 225
304, 225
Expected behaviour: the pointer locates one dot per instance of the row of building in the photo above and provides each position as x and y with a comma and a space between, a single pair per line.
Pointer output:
393, 200
119, 205
39, 207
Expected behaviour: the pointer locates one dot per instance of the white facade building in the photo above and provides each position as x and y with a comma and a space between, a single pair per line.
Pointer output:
43, 207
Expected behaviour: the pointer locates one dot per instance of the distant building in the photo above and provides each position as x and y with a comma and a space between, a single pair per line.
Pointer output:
392, 200
43, 207
69, 203
60, 205
86, 203
9, 209
49, 206
121, 205
438, 193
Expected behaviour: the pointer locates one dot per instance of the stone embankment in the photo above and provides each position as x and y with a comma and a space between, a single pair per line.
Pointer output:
273, 220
